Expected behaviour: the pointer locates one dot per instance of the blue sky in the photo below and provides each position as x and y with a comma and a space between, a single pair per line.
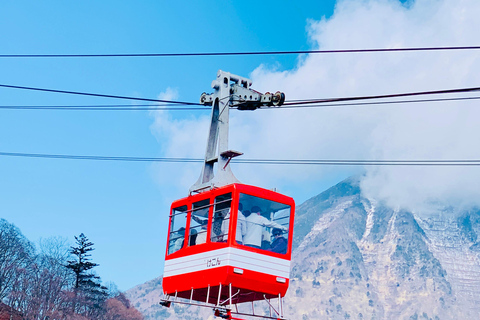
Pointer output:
123, 206
119, 206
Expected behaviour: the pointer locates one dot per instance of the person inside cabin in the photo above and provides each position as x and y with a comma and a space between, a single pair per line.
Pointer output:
202, 235
193, 237
279, 244
218, 218
197, 219
255, 226
241, 225
179, 241
266, 239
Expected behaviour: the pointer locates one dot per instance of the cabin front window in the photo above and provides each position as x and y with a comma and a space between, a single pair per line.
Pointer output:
267, 224
178, 223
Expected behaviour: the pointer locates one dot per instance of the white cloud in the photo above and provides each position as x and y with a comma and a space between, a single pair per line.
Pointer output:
414, 131
446, 130
180, 138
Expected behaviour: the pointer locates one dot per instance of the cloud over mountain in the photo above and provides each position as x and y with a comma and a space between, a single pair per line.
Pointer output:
436, 130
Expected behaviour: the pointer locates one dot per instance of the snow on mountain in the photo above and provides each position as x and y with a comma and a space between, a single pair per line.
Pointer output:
453, 241
355, 258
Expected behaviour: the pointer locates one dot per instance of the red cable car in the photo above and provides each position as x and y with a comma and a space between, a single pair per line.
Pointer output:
228, 242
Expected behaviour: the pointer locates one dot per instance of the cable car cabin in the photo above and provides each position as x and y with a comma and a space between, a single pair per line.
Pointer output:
234, 241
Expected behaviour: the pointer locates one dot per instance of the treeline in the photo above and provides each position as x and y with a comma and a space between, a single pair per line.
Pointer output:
55, 282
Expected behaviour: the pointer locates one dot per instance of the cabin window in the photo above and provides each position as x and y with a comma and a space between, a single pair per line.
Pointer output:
199, 222
267, 223
178, 223
221, 218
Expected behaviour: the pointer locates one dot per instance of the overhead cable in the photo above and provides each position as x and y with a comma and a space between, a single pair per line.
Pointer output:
341, 162
396, 95
288, 104
337, 162
112, 107
96, 94
238, 53
94, 157
371, 103
149, 107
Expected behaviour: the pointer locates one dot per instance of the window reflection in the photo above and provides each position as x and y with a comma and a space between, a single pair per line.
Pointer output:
221, 218
199, 222
178, 223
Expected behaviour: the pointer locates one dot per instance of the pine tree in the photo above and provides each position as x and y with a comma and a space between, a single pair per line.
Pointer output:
92, 295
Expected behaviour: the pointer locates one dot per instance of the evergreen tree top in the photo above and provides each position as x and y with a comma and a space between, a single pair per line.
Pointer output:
84, 280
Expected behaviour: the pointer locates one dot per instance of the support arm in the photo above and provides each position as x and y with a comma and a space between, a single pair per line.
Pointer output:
229, 91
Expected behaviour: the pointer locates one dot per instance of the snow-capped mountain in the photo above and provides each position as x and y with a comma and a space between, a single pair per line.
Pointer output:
355, 258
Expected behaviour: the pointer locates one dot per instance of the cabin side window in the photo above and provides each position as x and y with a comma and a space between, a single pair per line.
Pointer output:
178, 223
267, 223
221, 218
199, 222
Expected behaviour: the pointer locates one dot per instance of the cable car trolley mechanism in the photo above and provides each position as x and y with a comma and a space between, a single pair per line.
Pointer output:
229, 243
